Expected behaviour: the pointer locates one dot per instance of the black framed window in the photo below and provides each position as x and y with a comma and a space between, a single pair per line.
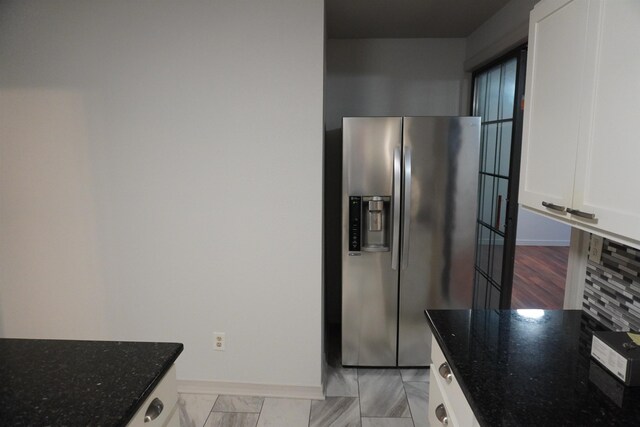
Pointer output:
498, 91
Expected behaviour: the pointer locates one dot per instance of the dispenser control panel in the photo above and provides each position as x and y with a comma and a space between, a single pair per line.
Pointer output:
355, 209
368, 224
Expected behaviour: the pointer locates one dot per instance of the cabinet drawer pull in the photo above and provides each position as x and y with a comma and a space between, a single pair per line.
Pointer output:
581, 214
554, 207
445, 372
154, 410
441, 414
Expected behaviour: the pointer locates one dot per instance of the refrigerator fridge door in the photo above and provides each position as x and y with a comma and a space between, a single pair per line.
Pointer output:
438, 229
370, 235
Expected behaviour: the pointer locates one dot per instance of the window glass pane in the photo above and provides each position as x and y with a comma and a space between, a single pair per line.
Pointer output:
483, 137
483, 148
497, 258
480, 95
493, 95
508, 88
481, 291
481, 194
486, 198
489, 145
494, 297
500, 207
494, 101
504, 149
484, 243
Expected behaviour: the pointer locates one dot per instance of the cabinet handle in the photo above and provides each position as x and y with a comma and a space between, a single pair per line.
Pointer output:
154, 410
445, 372
406, 221
554, 207
395, 210
441, 414
581, 214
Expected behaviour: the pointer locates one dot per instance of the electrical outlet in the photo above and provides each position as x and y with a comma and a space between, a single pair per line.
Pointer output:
219, 341
595, 248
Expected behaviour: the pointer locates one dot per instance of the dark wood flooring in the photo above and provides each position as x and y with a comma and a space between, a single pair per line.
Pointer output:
539, 276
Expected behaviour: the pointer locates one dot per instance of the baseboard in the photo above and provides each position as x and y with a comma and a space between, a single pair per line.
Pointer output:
250, 389
523, 242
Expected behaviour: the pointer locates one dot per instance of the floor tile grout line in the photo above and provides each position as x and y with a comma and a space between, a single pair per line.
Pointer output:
359, 397
261, 409
358, 376
210, 410
385, 417
406, 396
260, 413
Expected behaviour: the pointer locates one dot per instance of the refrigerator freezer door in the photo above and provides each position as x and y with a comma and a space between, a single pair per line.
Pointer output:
369, 284
437, 265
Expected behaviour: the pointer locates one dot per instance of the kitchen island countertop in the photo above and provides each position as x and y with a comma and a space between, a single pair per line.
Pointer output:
526, 368
64, 382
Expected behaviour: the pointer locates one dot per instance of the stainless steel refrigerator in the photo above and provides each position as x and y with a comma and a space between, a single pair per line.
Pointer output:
409, 192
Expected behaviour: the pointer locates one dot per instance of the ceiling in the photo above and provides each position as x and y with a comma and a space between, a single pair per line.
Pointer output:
407, 18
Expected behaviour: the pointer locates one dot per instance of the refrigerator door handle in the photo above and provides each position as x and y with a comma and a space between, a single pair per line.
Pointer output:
395, 239
407, 207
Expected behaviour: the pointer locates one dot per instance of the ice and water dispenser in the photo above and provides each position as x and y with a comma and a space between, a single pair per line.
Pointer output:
369, 218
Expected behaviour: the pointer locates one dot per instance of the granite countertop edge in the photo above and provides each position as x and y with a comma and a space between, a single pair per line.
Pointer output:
73, 382
467, 393
519, 368
165, 368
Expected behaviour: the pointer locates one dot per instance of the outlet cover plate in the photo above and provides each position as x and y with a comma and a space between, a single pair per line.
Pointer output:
219, 341
595, 248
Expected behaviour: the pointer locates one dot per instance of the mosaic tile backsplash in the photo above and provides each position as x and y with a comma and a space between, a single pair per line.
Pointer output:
612, 287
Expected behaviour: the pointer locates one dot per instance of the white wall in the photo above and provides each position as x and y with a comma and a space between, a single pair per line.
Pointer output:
537, 230
505, 30
161, 179
381, 77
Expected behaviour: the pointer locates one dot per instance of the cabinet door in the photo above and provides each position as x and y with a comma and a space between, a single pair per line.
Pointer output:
166, 395
609, 155
553, 100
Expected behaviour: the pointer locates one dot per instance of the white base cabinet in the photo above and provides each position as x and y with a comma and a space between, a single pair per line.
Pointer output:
161, 405
580, 144
447, 404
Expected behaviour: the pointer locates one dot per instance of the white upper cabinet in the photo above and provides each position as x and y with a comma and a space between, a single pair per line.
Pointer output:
581, 142
607, 165
555, 63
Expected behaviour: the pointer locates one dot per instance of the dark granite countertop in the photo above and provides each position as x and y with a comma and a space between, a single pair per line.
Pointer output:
518, 371
60, 382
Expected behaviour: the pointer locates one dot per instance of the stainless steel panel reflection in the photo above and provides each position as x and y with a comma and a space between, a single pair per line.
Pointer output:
439, 272
397, 191
369, 284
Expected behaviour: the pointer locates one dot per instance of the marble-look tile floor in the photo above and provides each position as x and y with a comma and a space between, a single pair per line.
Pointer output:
354, 397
